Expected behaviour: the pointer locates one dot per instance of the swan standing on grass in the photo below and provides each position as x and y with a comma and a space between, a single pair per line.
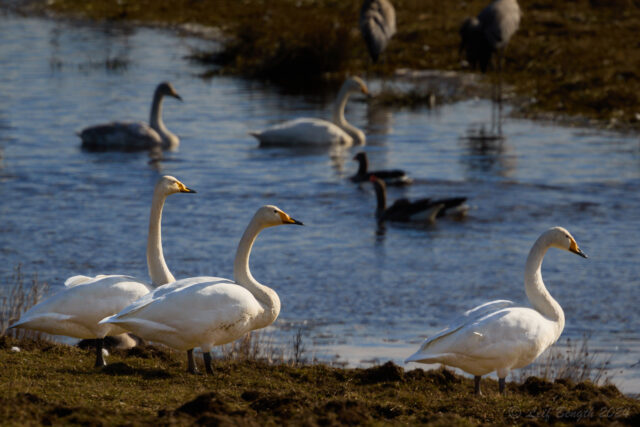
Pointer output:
76, 310
496, 336
310, 132
208, 311
134, 135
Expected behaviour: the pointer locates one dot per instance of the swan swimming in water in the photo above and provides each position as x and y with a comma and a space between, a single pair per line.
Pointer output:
76, 310
309, 131
208, 311
496, 336
134, 135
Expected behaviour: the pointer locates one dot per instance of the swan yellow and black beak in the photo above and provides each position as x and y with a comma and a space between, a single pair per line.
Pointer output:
184, 189
176, 96
576, 250
286, 219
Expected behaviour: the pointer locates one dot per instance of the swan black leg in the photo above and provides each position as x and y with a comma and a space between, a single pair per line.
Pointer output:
476, 388
192, 368
207, 362
501, 385
100, 362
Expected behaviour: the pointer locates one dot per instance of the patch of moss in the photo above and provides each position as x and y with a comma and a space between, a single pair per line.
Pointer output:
56, 384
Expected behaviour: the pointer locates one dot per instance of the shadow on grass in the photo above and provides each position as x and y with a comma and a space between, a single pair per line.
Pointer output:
120, 369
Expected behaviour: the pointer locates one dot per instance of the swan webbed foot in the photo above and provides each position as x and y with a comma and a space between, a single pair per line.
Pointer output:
207, 362
476, 384
100, 362
502, 385
191, 362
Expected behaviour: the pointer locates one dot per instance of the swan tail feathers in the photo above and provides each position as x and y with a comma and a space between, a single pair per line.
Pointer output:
47, 317
421, 357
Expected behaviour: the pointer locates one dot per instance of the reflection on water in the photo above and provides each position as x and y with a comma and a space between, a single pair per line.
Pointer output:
487, 152
65, 211
379, 123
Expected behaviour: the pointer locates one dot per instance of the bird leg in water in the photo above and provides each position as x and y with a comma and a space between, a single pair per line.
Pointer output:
207, 362
100, 362
476, 388
192, 368
501, 385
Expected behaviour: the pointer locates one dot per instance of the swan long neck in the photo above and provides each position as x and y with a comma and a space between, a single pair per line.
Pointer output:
339, 119
155, 121
537, 293
267, 297
158, 269
338, 107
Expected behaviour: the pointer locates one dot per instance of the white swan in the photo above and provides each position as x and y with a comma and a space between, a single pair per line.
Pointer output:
496, 336
76, 310
208, 311
309, 131
134, 135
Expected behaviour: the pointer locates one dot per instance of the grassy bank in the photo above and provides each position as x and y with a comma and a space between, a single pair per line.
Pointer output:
48, 383
578, 58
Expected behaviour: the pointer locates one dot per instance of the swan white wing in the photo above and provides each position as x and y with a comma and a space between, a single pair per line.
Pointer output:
160, 292
120, 136
202, 314
80, 279
304, 131
468, 317
76, 310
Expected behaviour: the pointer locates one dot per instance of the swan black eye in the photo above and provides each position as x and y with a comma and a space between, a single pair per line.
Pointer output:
275, 211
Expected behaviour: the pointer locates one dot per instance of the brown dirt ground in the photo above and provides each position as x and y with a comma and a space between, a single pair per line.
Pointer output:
55, 384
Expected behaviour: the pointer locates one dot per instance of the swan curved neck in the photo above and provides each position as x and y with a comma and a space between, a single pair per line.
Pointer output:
242, 276
158, 269
339, 119
534, 286
155, 121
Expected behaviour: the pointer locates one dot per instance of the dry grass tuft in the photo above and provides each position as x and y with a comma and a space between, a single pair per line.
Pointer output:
573, 361
17, 298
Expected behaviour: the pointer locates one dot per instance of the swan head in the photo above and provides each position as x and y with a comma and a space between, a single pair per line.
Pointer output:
355, 84
166, 89
562, 239
170, 185
269, 216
